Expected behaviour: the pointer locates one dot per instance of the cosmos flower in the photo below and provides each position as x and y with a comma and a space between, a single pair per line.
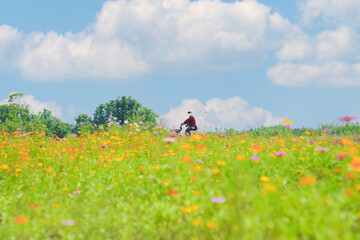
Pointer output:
76, 192
280, 154
347, 118
169, 140
69, 222
322, 149
255, 158
218, 200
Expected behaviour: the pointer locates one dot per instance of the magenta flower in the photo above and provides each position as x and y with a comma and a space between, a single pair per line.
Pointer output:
200, 161
326, 130
255, 158
76, 192
311, 141
322, 149
73, 135
340, 156
69, 222
151, 176
347, 118
218, 200
280, 154
81, 123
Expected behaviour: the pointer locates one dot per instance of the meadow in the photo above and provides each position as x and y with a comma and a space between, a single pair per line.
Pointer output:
131, 183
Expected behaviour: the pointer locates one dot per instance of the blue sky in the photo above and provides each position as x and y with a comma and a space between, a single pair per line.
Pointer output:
246, 63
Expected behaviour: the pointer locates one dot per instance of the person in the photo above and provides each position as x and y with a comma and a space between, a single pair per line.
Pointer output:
190, 123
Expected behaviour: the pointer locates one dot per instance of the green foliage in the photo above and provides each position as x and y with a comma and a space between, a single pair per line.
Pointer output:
124, 109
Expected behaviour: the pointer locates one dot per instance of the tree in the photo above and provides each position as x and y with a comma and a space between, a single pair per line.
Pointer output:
84, 124
122, 109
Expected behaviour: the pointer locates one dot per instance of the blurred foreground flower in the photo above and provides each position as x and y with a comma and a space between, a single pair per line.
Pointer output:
21, 220
280, 154
322, 149
218, 200
307, 181
347, 118
169, 140
68, 222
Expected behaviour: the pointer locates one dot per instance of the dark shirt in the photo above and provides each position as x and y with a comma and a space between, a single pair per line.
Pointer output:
190, 121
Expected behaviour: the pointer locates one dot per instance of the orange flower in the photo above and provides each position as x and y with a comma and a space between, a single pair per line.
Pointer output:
211, 225
33, 205
215, 171
307, 181
350, 176
355, 163
349, 193
172, 192
140, 169
21, 220
255, 148
186, 159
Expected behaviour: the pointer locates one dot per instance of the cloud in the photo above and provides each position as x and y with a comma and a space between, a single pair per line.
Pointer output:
36, 106
335, 74
332, 11
330, 58
221, 113
131, 38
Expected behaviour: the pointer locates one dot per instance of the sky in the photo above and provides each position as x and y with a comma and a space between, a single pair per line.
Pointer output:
234, 64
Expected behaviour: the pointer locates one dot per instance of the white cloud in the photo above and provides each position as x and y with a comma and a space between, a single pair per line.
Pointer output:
222, 113
332, 11
130, 38
329, 58
336, 74
36, 106
10, 39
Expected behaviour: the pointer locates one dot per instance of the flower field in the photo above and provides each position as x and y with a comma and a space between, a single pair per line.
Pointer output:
128, 183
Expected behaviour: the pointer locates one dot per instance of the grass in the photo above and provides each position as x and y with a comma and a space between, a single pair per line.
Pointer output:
117, 185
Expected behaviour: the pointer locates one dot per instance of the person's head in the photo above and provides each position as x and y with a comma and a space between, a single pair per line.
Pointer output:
189, 113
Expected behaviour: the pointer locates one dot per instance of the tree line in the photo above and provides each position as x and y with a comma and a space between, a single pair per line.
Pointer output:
15, 116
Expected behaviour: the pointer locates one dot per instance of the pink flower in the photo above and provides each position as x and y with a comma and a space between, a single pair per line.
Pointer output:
68, 222
311, 141
288, 126
347, 118
218, 200
76, 192
326, 130
322, 149
169, 140
73, 135
255, 158
200, 161
340, 156
280, 154
151, 176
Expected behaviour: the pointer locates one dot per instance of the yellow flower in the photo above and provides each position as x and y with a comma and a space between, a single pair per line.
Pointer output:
287, 121
269, 187
197, 222
215, 171
221, 163
264, 179
241, 157
4, 166
195, 137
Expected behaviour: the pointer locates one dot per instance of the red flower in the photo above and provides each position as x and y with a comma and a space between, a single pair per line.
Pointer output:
140, 169
172, 192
